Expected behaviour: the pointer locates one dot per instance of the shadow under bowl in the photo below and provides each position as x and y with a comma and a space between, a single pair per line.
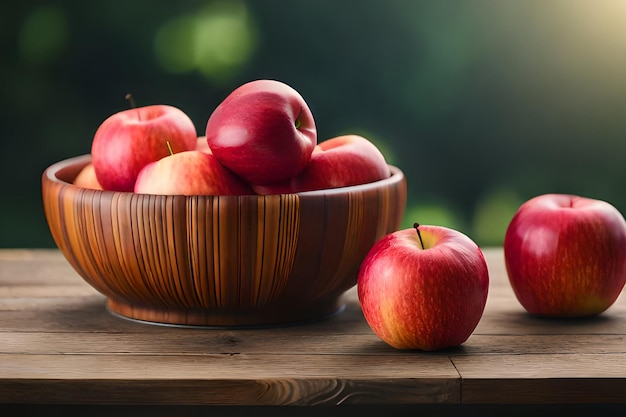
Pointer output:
219, 261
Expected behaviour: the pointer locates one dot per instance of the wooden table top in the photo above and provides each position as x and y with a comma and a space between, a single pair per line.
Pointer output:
59, 345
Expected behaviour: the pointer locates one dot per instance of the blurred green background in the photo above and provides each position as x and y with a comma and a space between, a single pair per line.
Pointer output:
483, 104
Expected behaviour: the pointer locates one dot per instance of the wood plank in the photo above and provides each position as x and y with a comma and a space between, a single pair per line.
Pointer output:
301, 341
30, 255
13, 292
248, 392
541, 366
558, 391
543, 378
226, 379
83, 305
194, 343
36, 267
89, 314
222, 366
543, 344
504, 315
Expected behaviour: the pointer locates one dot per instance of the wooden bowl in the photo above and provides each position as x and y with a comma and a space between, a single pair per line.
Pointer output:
226, 261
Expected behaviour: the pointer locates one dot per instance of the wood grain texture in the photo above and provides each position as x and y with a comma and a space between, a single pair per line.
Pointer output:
219, 260
60, 345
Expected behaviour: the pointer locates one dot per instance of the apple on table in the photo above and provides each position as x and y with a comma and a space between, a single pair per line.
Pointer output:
340, 161
565, 255
423, 288
130, 139
263, 131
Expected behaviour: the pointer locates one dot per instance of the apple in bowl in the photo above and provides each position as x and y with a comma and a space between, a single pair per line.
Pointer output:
263, 131
340, 161
130, 139
86, 178
195, 172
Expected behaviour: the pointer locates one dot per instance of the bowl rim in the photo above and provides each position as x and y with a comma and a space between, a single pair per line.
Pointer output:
50, 173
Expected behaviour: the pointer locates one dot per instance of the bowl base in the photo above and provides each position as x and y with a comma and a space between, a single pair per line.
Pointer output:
218, 319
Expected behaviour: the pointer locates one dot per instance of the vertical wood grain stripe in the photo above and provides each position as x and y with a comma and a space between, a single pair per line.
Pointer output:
286, 212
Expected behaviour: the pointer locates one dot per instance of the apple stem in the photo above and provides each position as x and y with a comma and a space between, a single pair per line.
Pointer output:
131, 100
419, 235
169, 147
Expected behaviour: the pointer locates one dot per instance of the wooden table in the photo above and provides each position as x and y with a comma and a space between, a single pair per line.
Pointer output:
59, 345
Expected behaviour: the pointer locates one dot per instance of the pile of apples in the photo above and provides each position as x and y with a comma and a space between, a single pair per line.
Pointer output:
262, 139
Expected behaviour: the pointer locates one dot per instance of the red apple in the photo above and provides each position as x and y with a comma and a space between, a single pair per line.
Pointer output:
130, 139
86, 178
423, 288
565, 255
201, 145
189, 173
336, 162
263, 131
